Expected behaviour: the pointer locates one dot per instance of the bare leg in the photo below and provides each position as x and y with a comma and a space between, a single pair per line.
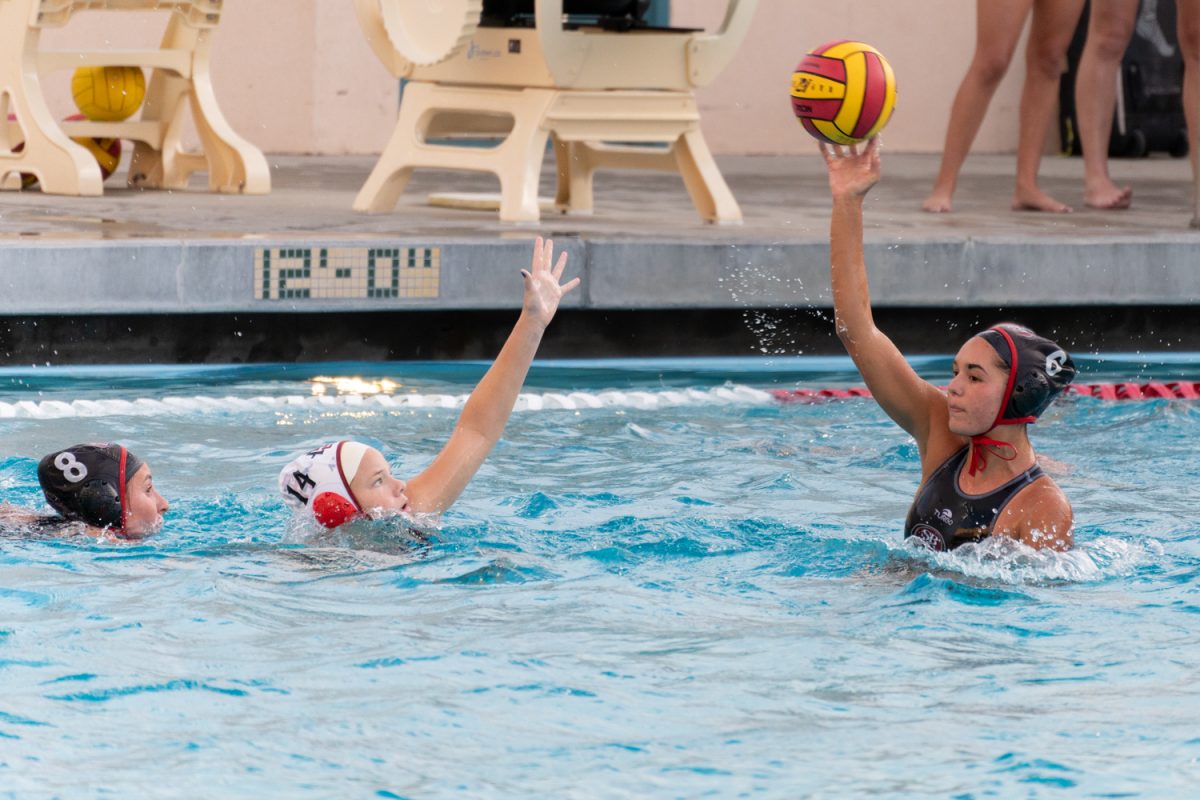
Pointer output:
998, 25
1109, 30
1189, 46
1045, 57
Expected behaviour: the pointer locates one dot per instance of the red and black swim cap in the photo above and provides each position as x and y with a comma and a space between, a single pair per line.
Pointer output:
1038, 370
86, 482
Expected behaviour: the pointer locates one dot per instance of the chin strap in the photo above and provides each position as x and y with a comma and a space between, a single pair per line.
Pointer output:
121, 488
979, 455
978, 443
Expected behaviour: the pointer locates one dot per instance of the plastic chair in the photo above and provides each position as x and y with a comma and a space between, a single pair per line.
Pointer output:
606, 99
35, 142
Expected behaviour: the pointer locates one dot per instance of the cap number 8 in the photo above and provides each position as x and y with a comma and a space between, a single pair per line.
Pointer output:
72, 469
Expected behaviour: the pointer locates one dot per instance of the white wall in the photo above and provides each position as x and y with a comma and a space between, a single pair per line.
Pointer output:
928, 43
297, 76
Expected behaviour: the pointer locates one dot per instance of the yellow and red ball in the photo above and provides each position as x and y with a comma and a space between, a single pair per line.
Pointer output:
843, 92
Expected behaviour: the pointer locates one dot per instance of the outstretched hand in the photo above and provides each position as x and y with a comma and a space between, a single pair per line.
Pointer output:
542, 288
851, 173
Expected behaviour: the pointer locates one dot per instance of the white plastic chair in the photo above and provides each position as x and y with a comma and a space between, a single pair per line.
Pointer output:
35, 142
602, 97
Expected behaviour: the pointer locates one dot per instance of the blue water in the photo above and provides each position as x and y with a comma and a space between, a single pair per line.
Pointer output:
643, 599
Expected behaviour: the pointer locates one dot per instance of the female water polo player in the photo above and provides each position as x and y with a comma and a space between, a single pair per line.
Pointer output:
343, 480
98, 489
979, 473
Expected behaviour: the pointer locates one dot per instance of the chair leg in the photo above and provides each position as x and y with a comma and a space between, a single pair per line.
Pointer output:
710, 194
519, 158
562, 169
520, 176
579, 174
233, 164
394, 168
170, 167
517, 161
61, 166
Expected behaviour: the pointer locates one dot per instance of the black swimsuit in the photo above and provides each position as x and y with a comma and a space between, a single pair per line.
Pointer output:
943, 517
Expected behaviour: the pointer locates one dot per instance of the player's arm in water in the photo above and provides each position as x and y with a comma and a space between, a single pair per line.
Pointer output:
913, 403
14, 516
489, 406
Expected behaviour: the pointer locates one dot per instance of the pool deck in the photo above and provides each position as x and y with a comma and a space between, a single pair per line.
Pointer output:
644, 247
192, 252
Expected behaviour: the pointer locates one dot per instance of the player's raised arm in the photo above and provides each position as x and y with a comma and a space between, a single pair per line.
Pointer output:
906, 398
341, 481
487, 411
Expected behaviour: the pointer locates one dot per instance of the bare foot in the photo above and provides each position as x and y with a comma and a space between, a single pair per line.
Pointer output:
938, 202
1037, 200
1108, 198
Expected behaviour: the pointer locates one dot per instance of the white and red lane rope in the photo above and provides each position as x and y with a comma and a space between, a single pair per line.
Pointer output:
546, 401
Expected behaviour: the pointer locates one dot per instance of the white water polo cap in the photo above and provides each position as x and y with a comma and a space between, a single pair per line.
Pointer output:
319, 480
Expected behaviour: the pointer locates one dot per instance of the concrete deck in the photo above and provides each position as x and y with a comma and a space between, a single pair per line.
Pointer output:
191, 252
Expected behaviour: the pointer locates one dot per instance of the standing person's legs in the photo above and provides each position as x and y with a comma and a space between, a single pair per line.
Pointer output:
1109, 28
1188, 28
1050, 35
998, 26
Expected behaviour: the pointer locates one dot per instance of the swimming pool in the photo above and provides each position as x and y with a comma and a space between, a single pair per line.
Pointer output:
662, 583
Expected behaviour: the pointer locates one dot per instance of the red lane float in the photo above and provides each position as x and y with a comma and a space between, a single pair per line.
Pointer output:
1173, 390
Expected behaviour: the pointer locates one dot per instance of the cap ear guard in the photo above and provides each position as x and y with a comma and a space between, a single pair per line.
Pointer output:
1039, 383
1031, 395
332, 510
98, 503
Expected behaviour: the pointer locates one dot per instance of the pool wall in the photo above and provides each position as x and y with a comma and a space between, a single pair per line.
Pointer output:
576, 333
296, 275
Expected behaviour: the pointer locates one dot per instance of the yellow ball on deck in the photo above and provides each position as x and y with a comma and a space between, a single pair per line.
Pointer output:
107, 152
108, 94
843, 92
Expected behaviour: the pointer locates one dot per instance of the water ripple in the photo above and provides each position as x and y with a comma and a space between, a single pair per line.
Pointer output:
680, 591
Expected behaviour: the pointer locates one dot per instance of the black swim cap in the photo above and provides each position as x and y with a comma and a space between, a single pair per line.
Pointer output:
1038, 370
87, 482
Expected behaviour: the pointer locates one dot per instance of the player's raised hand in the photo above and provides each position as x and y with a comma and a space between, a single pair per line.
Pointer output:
543, 289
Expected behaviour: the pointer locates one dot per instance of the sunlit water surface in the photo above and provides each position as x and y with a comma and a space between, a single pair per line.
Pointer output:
641, 599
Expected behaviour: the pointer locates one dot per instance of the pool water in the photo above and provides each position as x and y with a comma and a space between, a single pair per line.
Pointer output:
663, 583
